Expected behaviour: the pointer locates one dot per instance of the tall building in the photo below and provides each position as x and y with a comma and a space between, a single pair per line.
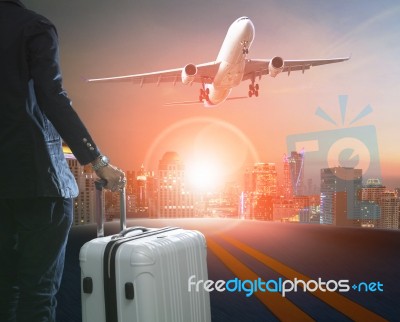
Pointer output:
339, 195
371, 195
390, 211
130, 193
373, 190
140, 192
260, 187
84, 204
287, 190
173, 200
262, 179
293, 169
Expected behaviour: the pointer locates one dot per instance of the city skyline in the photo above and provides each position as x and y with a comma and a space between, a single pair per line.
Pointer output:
197, 181
343, 199
129, 122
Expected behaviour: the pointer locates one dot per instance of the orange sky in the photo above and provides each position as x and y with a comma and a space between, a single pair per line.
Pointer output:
129, 123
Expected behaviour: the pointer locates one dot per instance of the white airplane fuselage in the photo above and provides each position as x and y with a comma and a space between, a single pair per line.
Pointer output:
231, 57
231, 67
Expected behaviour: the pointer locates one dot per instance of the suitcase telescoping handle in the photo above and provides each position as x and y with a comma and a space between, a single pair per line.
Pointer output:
127, 231
100, 184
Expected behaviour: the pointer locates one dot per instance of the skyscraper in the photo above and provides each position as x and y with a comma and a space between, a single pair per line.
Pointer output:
293, 169
264, 177
390, 211
373, 190
173, 200
130, 193
287, 190
339, 195
260, 188
371, 195
84, 203
140, 193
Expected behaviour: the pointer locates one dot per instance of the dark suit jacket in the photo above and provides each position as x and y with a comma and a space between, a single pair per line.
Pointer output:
35, 111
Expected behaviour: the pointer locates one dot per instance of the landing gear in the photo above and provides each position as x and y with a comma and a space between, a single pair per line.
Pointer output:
245, 49
204, 92
253, 89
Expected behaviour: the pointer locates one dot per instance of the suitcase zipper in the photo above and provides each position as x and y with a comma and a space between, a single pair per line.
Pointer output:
122, 240
110, 287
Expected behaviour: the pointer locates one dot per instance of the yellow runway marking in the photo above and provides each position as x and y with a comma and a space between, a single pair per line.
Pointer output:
281, 307
342, 304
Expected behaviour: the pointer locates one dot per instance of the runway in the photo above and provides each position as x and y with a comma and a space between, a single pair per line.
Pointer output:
366, 263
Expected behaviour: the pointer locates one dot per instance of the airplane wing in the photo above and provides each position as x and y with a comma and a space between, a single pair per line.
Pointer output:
259, 67
202, 102
205, 74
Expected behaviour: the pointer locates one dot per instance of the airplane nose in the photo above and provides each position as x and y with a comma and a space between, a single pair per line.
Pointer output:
246, 24
243, 24
249, 25
249, 28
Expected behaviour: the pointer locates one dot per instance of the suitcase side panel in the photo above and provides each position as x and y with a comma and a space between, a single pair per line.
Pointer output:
197, 265
159, 268
91, 261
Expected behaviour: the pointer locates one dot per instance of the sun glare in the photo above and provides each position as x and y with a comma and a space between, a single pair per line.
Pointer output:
203, 175
212, 151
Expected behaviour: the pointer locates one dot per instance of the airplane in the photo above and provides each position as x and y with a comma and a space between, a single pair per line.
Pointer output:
231, 67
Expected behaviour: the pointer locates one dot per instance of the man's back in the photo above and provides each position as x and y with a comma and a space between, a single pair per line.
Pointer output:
32, 105
36, 185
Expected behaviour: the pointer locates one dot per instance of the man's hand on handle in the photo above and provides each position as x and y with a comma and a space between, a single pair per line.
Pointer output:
115, 177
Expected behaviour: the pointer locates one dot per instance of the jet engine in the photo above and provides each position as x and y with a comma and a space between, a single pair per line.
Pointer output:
275, 66
188, 74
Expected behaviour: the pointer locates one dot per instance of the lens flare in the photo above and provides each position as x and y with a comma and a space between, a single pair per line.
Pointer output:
204, 174
213, 151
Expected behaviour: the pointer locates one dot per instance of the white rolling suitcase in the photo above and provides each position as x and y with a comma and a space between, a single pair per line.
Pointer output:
141, 274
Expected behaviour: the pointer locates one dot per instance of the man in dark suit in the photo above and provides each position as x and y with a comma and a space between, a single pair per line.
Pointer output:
36, 185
